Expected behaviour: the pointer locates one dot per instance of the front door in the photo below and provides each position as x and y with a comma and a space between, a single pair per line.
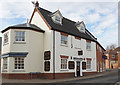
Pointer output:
78, 68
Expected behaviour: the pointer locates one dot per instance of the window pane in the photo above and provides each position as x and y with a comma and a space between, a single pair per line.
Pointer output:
6, 38
19, 63
63, 63
20, 36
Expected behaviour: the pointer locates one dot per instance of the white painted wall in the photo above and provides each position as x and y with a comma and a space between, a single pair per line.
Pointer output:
37, 43
73, 52
37, 20
33, 45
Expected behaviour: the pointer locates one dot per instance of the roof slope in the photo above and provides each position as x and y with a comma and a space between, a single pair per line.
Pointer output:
67, 26
25, 25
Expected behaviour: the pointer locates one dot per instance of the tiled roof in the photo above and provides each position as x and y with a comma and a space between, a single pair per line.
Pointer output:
25, 25
67, 26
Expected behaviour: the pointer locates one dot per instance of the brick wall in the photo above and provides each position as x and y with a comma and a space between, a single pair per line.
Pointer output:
119, 60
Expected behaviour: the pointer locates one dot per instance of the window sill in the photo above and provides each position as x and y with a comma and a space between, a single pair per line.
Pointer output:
6, 43
88, 49
18, 70
88, 69
77, 48
5, 70
64, 70
64, 45
19, 42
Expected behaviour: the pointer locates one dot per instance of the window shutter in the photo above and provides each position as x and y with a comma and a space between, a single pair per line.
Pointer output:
47, 55
84, 65
47, 66
71, 65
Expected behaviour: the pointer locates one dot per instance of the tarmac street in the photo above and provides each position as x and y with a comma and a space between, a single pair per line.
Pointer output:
105, 77
110, 78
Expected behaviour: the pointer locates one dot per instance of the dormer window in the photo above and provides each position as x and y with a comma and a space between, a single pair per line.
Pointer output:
57, 19
80, 26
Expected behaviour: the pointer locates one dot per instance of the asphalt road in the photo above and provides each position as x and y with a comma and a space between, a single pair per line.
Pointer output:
111, 78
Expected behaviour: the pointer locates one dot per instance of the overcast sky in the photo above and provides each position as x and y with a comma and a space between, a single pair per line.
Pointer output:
100, 17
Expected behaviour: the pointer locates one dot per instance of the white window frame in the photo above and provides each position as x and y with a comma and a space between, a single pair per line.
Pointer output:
5, 63
64, 64
113, 55
57, 19
19, 37
18, 64
88, 65
82, 28
64, 40
6, 37
88, 45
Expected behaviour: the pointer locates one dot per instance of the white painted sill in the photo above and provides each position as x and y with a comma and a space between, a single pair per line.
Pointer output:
6, 43
88, 49
64, 70
88, 69
5, 70
18, 70
64, 45
77, 48
19, 42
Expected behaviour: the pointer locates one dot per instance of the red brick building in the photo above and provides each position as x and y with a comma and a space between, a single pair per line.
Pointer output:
112, 58
100, 58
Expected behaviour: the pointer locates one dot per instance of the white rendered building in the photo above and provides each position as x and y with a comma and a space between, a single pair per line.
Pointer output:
49, 46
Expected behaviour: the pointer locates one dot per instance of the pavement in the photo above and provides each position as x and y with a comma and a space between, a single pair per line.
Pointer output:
57, 80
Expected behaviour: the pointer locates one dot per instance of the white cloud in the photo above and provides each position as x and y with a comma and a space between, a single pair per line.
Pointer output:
89, 12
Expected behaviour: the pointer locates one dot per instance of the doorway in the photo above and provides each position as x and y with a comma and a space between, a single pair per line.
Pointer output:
78, 68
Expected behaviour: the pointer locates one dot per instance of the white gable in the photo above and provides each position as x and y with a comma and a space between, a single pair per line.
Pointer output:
38, 21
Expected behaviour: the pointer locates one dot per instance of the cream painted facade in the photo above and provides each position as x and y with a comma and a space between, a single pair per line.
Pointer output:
33, 45
78, 45
37, 43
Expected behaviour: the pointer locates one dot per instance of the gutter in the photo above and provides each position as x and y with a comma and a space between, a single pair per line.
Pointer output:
53, 54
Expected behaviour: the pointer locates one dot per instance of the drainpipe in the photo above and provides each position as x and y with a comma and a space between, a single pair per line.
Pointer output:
53, 54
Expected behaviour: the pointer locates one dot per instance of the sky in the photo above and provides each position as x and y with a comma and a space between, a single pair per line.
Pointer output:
99, 16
